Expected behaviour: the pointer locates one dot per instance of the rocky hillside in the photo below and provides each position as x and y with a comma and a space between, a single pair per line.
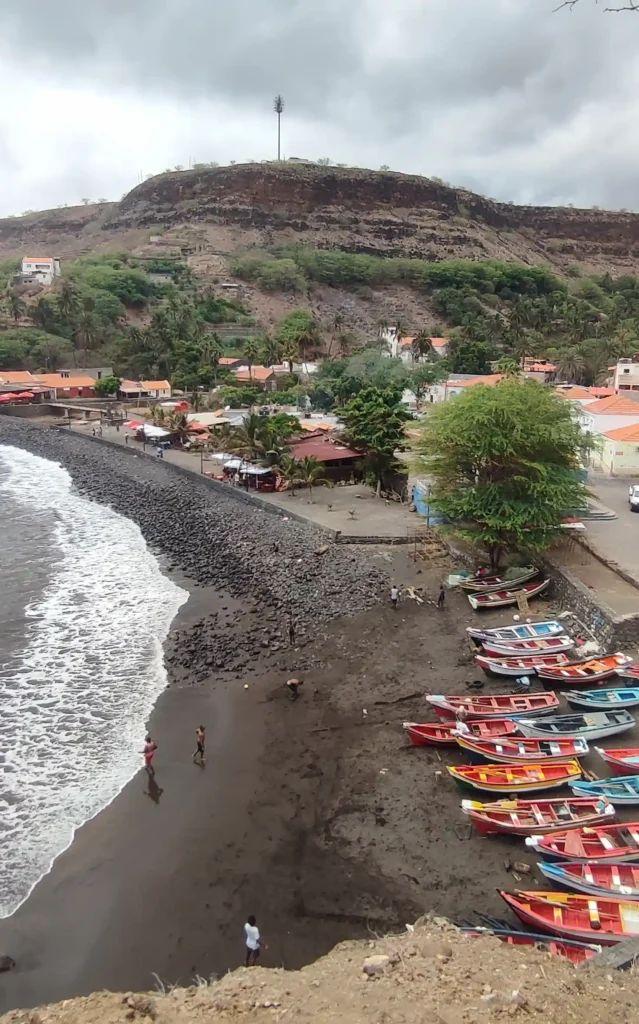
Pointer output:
432, 973
211, 215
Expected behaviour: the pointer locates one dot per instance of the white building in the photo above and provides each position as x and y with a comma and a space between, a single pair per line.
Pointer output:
606, 414
458, 382
42, 269
626, 376
404, 347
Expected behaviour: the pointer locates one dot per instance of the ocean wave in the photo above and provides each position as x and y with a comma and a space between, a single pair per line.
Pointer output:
75, 702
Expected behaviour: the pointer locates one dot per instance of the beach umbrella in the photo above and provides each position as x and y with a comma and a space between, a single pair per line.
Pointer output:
133, 424
6, 398
25, 394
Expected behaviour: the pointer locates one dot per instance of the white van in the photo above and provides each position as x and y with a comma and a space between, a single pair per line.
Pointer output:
633, 498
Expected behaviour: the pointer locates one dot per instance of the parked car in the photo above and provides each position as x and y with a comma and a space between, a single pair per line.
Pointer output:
633, 498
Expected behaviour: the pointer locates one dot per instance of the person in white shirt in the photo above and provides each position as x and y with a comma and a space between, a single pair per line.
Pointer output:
252, 934
461, 728
394, 596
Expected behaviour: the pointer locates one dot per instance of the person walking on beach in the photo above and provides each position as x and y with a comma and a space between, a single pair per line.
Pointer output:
394, 596
252, 938
150, 746
200, 735
126, 438
441, 600
160, 452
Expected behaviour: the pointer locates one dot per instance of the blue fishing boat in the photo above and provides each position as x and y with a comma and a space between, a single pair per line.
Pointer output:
621, 790
619, 880
603, 700
525, 631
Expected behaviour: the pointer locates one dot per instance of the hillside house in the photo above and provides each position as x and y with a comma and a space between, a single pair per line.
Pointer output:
540, 369
606, 414
262, 376
156, 388
403, 349
40, 269
626, 376
97, 372
79, 386
458, 382
618, 454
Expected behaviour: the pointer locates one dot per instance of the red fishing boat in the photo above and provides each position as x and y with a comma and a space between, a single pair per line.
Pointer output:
586, 671
510, 750
576, 952
632, 672
502, 597
525, 666
520, 648
440, 733
535, 817
573, 916
500, 705
621, 761
601, 843
515, 778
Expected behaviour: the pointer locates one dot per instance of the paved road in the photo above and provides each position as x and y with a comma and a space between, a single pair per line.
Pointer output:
617, 539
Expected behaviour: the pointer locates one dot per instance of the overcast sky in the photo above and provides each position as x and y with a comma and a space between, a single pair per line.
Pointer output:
501, 96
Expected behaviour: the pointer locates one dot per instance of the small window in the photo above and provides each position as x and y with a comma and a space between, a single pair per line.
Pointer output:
626, 371
625, 387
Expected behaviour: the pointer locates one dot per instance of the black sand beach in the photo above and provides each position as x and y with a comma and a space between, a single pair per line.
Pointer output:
314, 816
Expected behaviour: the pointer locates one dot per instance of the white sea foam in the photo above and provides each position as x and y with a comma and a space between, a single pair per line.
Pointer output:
74, 703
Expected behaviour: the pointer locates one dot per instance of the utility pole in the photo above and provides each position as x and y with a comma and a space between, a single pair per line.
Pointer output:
278, 107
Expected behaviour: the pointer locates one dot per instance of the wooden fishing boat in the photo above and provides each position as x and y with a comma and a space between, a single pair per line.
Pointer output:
622, 790
521, 648
609, 842
440, 733
585, 671
515, 778
507, 750
500, 705
523, 666
499, 598
576, 916
485, 584
593, 726
602, 700
621, 881
631, 672
536, 817
623, 761
576, 952
524, 631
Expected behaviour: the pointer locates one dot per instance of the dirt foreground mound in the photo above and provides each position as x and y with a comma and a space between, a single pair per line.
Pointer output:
432, 973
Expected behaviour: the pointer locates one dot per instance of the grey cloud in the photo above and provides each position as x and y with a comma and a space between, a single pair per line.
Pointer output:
506, 74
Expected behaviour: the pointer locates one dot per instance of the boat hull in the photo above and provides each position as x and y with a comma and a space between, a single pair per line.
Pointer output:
536, 910
439, 734
528, 648
508, 705
585, 673
503, 750
502, 598
604, 699
488, 584
522, 817
521, 778
524, 631
560, 727
518, 666
619, 761
595, 845
618, 880
622, 790
576, 952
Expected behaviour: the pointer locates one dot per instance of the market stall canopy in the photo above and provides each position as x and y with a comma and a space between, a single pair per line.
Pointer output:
25, 394
150, 430
247, 467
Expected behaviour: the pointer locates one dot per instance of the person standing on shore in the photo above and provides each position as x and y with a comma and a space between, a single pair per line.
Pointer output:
200, 735
150, 746
252, 937
441, 600
126, 438
394, 596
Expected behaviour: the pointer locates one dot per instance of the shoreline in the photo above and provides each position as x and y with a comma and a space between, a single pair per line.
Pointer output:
315, 817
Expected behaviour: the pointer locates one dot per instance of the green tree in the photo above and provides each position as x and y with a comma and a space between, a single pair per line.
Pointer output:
502, 462
571, 365
285, 424
508, 366
270, 351
68, 299
375, 420
251, 352
290, 471
107, 386
424, 377
468, 356
15, 305
310, 474
422, 346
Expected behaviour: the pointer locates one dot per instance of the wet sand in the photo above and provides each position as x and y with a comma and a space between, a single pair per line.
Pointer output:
315, 817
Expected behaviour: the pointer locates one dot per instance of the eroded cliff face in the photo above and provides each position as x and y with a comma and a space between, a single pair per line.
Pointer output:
360, 210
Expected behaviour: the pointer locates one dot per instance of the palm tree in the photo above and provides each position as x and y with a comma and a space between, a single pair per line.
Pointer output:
291, 352
84, 332
68, 299
251, 352
400, 333
290, 471
43, 315
246, 439
278, 107
271, 350
422, 345
507, 366
179, 425
15, 304
571, 364
310, 474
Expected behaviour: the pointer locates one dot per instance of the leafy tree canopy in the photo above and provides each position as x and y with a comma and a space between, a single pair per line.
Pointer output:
502, 462
107, 386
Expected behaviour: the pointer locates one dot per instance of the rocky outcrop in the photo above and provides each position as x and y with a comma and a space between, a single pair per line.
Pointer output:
351, 208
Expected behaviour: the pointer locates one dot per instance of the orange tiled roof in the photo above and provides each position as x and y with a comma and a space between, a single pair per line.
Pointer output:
438, 342
601, 392
16, 377
37, 259
490, 379
257, 373
540, 368
155, 385
615, 405
629, 433
574, 392
227, 360
55, 380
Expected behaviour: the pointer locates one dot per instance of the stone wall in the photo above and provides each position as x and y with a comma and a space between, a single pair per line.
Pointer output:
614, 632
